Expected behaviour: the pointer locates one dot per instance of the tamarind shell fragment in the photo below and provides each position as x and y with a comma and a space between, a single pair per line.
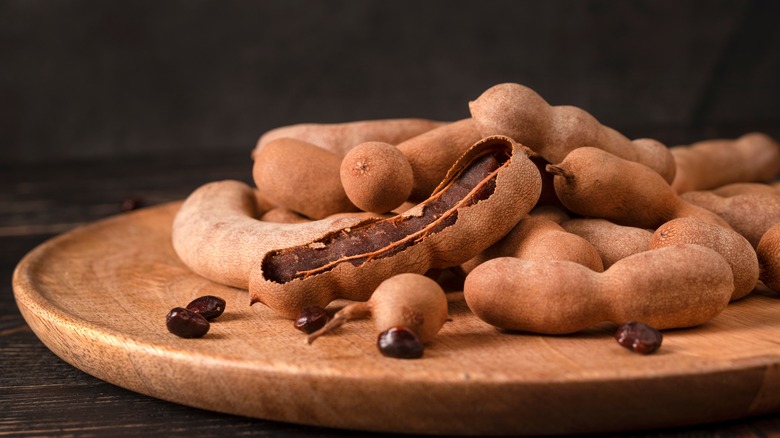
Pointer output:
486, 192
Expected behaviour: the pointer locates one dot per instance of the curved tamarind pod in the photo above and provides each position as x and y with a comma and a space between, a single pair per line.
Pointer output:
768, 252
216, 233
613, 242
339, 138
750, 214
671, 287
282, 215
553, 131
594, 183
731, 245
540, 237
709, 164
483, 196
432, 153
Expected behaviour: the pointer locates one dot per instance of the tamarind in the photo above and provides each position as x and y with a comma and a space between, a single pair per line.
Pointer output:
671, 287
709, 164
340, 138
553, 131
732, 246
612, 241
595, 183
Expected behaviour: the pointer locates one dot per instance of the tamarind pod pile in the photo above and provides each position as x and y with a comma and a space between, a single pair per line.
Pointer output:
339, 138
483, 196
553, 131
671, 287
620, 229
709, 164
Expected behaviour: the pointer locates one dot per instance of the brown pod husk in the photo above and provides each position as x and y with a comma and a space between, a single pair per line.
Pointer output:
709, 164
488, 190
340, 138
671, 287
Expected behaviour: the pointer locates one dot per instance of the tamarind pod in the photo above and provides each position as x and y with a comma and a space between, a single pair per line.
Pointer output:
612, 241
750, 214
731, 245
282, 215
339, 138
553, 131
768, 252
216, 232
745, 188
301, 177
482, 197
432, 153
670, 287
709, 164
595, 183
537, 237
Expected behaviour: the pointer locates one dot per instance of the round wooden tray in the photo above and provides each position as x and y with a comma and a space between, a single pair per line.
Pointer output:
97, 297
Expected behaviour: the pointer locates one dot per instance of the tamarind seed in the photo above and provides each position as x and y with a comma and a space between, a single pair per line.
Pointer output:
639, 337
131, 203
207, 306
186, 323
311, 319
399, 342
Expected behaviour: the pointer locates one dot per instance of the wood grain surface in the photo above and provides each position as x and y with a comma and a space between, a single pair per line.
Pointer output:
97, 297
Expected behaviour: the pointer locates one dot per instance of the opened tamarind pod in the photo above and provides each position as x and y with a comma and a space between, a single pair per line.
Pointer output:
709, 164
750, 214
731, 245
217, 235
482, 197
339, 138
670, 287
553, 131
612, 241
301, 177
432, 153
538, 237
594, 183
768, 252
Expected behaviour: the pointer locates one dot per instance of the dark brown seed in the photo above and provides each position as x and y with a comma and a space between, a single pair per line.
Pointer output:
130, 204
311, 319
208, 306
639, 337
399, 342
186, 324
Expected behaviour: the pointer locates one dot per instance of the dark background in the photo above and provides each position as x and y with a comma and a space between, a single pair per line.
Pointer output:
107, 101
115, 79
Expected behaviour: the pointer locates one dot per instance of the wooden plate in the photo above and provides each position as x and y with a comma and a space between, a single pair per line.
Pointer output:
97, 297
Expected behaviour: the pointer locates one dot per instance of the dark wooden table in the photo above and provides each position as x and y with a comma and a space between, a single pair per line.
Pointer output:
42, 395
